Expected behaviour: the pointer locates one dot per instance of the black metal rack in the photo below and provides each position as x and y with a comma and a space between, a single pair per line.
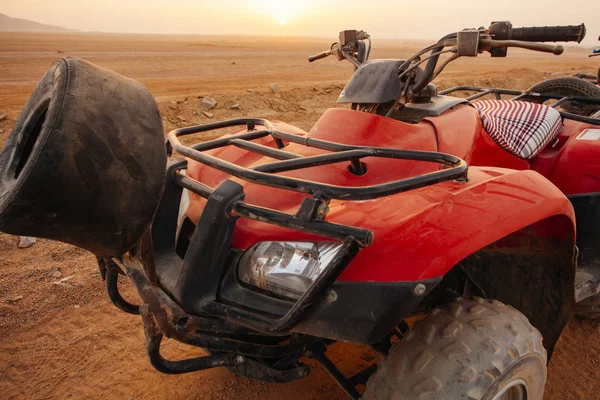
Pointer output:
520, 95
308, 218
263, 174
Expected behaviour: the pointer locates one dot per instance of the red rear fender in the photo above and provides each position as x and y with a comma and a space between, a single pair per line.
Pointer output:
573, 162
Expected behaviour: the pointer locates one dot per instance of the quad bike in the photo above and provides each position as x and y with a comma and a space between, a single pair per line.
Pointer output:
269, 243
594, 79
596, 53
582, 85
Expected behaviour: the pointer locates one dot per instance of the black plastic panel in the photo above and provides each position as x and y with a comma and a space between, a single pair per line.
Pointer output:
587, 214
374, 82
359, 312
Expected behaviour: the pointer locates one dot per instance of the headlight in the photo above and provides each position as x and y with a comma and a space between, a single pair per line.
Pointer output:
286, 268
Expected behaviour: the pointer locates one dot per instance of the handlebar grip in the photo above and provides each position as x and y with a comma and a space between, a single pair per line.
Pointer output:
319, 56
566, 33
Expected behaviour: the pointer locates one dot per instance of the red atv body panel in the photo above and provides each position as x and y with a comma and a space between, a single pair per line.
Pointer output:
570, 162
419, 234
573, 162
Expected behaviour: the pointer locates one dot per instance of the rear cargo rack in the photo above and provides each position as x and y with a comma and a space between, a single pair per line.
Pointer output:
206, 256
520, 95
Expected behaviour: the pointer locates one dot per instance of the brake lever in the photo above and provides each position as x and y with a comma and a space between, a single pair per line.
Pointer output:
487, 44
362, 35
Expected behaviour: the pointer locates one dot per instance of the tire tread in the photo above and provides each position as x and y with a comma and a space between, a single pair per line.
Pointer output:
479, 339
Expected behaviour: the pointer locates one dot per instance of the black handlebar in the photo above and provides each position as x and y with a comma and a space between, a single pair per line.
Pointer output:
566, 33
468, 42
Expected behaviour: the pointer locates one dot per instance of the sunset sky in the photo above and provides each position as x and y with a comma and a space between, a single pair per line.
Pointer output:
424, 19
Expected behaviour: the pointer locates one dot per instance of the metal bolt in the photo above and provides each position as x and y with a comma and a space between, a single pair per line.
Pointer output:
239, 360
323, 210
331, 296
419, 290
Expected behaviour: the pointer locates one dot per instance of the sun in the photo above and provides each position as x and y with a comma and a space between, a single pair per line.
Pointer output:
284, 11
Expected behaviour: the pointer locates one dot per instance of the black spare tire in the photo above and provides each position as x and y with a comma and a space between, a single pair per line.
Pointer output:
568, 87
85, 162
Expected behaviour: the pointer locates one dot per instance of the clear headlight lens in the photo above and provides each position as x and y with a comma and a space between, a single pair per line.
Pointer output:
286, 268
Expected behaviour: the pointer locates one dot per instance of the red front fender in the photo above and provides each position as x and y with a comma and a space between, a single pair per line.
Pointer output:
423, 233
427, 232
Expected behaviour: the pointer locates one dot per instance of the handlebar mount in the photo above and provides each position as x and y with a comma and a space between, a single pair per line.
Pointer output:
351, 46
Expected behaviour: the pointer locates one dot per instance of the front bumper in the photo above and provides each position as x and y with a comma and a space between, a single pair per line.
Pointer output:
191, 293
198, 300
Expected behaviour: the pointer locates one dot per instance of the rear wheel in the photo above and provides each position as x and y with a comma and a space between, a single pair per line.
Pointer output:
469, 349
568, 87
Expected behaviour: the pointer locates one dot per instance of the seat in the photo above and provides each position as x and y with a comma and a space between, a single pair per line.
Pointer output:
519, 127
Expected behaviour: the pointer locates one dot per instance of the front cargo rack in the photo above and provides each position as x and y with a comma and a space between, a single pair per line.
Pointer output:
205, 262
263, 174
523, 95
308, 218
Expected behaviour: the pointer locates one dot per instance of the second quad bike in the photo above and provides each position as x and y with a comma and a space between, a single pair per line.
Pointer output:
581, 85
270, 243
594, 79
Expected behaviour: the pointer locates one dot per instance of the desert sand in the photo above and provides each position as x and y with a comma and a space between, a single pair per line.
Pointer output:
67, 340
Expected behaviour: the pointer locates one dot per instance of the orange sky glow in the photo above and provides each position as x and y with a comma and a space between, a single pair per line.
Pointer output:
407, 19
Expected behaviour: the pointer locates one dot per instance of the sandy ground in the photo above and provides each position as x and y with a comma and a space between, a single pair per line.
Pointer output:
65, 340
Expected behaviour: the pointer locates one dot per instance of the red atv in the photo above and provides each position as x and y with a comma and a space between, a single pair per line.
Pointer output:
593, 79
270, 243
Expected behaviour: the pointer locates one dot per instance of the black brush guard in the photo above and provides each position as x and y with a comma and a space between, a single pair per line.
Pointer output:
520, 95
183, 303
